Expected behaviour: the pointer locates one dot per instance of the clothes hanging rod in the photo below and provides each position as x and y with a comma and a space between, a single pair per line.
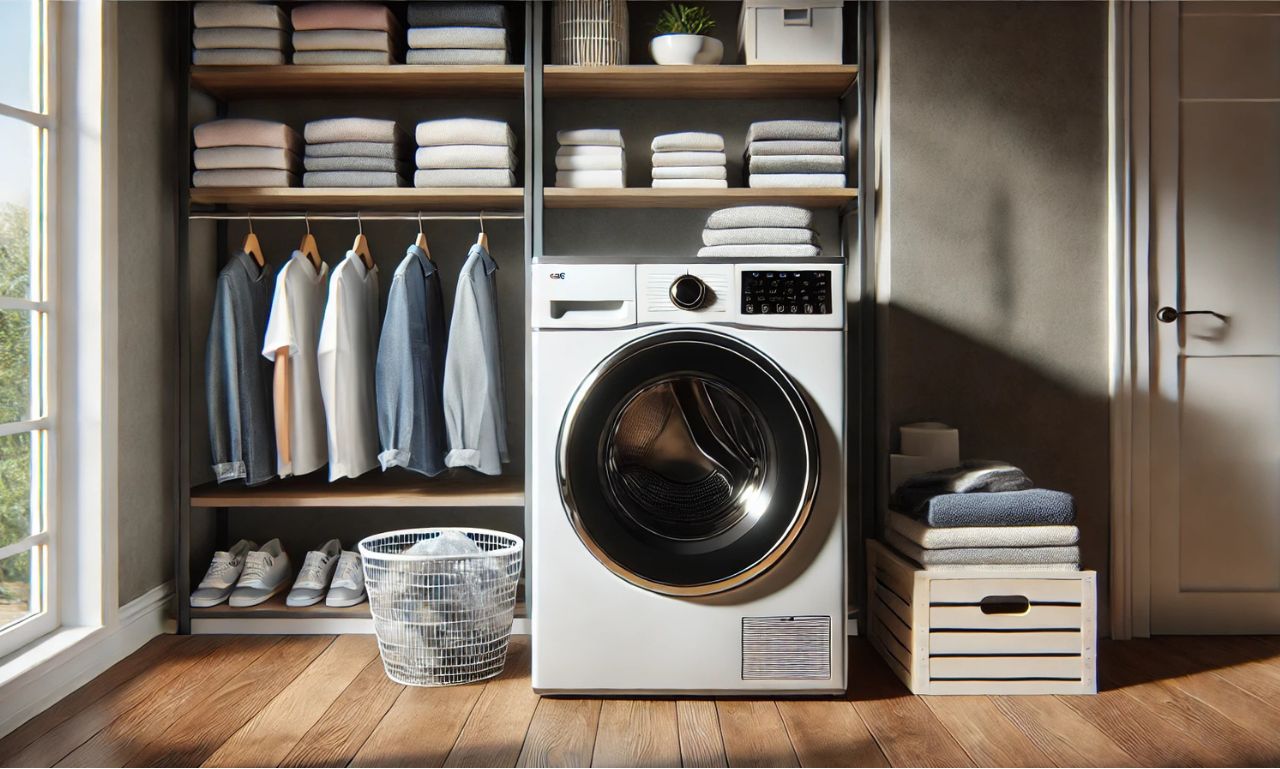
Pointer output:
343, 217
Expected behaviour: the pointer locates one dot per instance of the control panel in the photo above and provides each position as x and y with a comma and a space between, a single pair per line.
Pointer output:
789, 292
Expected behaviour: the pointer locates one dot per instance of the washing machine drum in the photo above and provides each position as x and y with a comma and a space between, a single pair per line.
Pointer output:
688, 462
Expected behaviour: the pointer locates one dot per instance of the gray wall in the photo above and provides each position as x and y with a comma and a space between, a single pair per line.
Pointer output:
994, 255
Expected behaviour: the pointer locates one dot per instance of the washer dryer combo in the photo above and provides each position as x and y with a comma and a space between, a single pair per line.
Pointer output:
688, 513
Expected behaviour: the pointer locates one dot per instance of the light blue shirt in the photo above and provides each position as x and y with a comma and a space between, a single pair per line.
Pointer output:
474, 400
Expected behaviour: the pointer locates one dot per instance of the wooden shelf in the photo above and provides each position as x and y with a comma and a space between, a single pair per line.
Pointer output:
345, 198
647, 197
275, 608
399, 488
760, 81
360, 80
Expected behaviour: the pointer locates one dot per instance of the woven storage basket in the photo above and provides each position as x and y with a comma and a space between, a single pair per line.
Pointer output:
589, 33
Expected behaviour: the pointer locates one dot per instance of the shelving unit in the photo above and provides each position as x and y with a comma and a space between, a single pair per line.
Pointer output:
339, 198
647, 197
350, 79
274, 617
649, 81
400, 489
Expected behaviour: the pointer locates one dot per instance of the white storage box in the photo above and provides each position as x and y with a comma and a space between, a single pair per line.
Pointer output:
792, 31
983, 632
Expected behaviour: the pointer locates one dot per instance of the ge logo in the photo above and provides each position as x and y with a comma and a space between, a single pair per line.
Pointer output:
557, 276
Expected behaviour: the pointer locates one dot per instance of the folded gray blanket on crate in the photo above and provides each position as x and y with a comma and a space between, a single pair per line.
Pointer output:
969, 476
804, 130
688, 141
240, 37
236, 57
350, 129
760, 216
457, 56
458, 37
356, 164
464, 130
1033, 507
759, 181
245, 157
341, 40
784, 250
244, 177
343, 57
352, 179
796, 164
238, 15
457, 15
464, 177
794, 147
748, 236
982, 556
466, 156
938, 537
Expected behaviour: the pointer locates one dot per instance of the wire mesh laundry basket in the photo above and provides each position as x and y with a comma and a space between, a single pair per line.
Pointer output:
589, 32
442, 619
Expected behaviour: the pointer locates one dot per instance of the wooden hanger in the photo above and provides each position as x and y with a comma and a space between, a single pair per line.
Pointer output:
308, 246
361, 245
483, 240
252, 247
421, 241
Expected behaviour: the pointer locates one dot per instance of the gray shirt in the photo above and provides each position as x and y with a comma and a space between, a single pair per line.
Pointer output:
474, 402
410, 370
237, 377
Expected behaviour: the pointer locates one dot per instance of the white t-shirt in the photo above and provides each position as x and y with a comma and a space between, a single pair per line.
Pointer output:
295, 324
347, 354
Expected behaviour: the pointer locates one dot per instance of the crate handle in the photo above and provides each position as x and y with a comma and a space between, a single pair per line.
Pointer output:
1005, 604
797, 17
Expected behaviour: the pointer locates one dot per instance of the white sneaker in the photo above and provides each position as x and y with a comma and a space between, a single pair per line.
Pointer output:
221, 577
266, 573
348, 582
317, 570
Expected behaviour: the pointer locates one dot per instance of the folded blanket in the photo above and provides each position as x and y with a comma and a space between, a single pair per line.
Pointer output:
240, 37
458, 37
972, 475
457, 56
662, 159
688, 140
464, 177
689, 172
245, 132
979, 556
601, 137
238, 15
795, 180
590, 179
352, 179
597, 161
690, 183
1033, 507
466, 156
245, 157
796, 164
784, 250
236, 57
344, 16
457, 15
244, 177
807, 130
464, 130
750, 236
341, 40
356, 164
1003, 567
794, 147
760, 216
393, 149
350, 129
938, 538
343, 57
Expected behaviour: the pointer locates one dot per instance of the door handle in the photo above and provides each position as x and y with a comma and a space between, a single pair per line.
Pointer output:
1169, 315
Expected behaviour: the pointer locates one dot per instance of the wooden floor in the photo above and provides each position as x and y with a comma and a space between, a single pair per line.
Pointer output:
324, 701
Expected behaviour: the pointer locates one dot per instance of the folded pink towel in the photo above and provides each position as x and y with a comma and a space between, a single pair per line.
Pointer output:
246, 132
344, 16
245, 157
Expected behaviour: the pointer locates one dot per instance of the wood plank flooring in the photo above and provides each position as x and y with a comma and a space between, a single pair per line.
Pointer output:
324, 701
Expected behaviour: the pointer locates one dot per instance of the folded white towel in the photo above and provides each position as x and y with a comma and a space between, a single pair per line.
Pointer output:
246, 132
661, 159
755, 236
350, 129
589, 149
794, 147
795, 180
807, 130
238, 15
938, 538
240, 37
244, 177
355, 164
689, 172
600, 161
458, 37
341, 40
690, 183
796, 164
784, 251
245, 157
608, 137
760, 216
688, 140
456, 56
236, 57
343, 57
466, 156
590, 179
464, 177
464, 130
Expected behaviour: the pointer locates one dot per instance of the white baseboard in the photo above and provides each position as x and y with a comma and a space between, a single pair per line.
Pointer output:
79, 655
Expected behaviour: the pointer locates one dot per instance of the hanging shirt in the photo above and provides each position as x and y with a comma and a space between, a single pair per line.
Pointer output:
410, 376
295, 326
237, 379
474, 402
348, 344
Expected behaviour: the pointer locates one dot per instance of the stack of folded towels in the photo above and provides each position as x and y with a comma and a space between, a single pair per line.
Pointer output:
689, 159
983, 515
344, 33
591, 157
458, 33
763, 231
795, 153
239, 33
240, 152
354, 152
465, 152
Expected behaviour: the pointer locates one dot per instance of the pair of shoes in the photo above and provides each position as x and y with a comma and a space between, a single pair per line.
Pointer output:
246, 575
333, 568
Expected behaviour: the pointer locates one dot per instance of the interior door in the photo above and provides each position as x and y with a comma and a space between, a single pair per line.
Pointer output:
1215, 512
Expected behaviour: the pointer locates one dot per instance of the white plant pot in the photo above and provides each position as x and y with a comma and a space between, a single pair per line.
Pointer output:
686, 49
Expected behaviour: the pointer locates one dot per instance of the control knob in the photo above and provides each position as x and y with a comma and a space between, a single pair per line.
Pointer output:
688, 292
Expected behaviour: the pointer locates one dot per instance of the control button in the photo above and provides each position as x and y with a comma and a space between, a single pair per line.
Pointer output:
808, 309
822, 308
781, 307
749, 308
793, 309
764, 309
688, 292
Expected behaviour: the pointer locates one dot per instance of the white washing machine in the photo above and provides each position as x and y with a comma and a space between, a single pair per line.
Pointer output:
688, 490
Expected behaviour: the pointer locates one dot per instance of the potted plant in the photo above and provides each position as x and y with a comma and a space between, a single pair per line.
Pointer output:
681, 36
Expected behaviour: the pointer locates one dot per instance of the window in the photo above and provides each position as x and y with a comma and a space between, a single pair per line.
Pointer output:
27, 540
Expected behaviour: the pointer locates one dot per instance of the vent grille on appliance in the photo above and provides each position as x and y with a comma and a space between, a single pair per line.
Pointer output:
786, 647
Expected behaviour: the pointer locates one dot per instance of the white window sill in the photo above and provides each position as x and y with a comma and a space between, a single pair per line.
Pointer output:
54, 648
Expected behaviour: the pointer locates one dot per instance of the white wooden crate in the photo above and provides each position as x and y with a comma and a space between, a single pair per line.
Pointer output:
983, 632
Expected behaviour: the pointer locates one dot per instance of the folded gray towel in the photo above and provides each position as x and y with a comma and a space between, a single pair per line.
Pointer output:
760, 216
972, 475
356, 164
611, 159
245, 157
796, 164
245, 132
457, 15
601, 137
341, 40
795, 180
807, 130
240, 37
794, 147
458, 37
664, 158
393, 149
1003, 567
689, 172
752, 236
236, 57
466, 156
937, 538
343, 57
980, 556
352, 179
690, 183
350, 129
1033, 507
238, 15
785, 250
457, 56
688, 140
464, 177
244, 177
610, 179
464, 130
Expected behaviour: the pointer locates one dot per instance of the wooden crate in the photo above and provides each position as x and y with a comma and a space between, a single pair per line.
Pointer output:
983, 632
